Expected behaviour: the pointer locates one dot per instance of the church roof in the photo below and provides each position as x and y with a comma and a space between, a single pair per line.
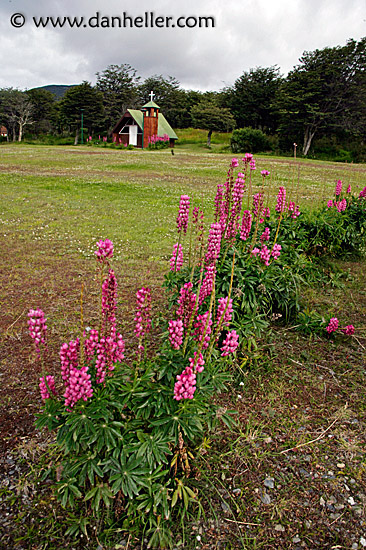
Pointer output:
163, 125
151, 104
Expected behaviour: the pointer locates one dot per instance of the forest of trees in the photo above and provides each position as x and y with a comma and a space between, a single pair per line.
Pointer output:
320, 104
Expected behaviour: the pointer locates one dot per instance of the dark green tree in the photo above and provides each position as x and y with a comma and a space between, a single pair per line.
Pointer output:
251, 99
207, 115
82, 98
44, 110
325, 92
118, 84
170, 98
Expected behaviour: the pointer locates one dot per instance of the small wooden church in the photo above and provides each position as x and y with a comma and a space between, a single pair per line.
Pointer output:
141, 127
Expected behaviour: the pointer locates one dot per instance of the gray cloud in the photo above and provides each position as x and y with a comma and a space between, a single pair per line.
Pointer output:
248, 33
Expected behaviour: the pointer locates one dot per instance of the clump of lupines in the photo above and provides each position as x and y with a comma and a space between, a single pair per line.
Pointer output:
176, 261
183, 214
37, 329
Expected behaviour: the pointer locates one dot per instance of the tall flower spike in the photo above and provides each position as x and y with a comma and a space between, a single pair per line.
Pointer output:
281, 200
183, 214
142, 317
176, 261
37, 329
105, 250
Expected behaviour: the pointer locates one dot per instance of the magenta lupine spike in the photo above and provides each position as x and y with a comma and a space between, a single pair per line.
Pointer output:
176, 333
105, 250
349, 330
90, 343
266, 212
276, 251
257, 204
236, 202
246, 225
281, 200
213, 244
207, 283
265, 255
252, 164
78, 386
197, 362
200, 326
265, 235
265, 173
69, 356
294, 210
349, 189
45, 394
255, 251
224, 317
247, 158
338, 188
186, 304
109, 351
142, 317
109, 304
183, 214
37, 329
341, 205
330, 203
230, 343
176, 261
185, 385
234, 163
333, 325
362, 193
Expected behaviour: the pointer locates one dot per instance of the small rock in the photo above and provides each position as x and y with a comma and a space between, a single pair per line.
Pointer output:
351, 501
363, 541
304, 472
225, 507
322, 501
265, 498
308, 524
354, 546
341, 465
280, 528
269, 483
296, 539
236, 492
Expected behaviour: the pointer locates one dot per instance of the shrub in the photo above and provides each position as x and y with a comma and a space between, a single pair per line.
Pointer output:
249, 139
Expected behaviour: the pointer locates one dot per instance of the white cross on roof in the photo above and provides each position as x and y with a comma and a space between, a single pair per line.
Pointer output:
151, 95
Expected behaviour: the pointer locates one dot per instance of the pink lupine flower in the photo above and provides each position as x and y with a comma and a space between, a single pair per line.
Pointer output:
330, 203
45, 394
186, 303
185, 385
226, 317
230, 343
246, 225
266, 212
90, 343
213, 244
234, 162
333, 325
349, 330
265, 235
349, 189
142, 317
201, 329
265, 255
109, 304
362, 193
281, 200
265, 173
257, 204
255, 251
69, 357
338, 189
341, 205
207, 283
105, 250
37, 329
247, 158
197, 363
218, 201
252, 164
276, 251
176, 261
176, 333
183, 214
236, 202
78, 386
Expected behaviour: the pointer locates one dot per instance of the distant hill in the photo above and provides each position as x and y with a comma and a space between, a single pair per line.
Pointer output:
58, 89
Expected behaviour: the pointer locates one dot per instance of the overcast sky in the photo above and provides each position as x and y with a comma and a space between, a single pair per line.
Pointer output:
247, 34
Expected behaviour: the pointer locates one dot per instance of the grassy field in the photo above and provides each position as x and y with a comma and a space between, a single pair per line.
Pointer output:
293, 473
